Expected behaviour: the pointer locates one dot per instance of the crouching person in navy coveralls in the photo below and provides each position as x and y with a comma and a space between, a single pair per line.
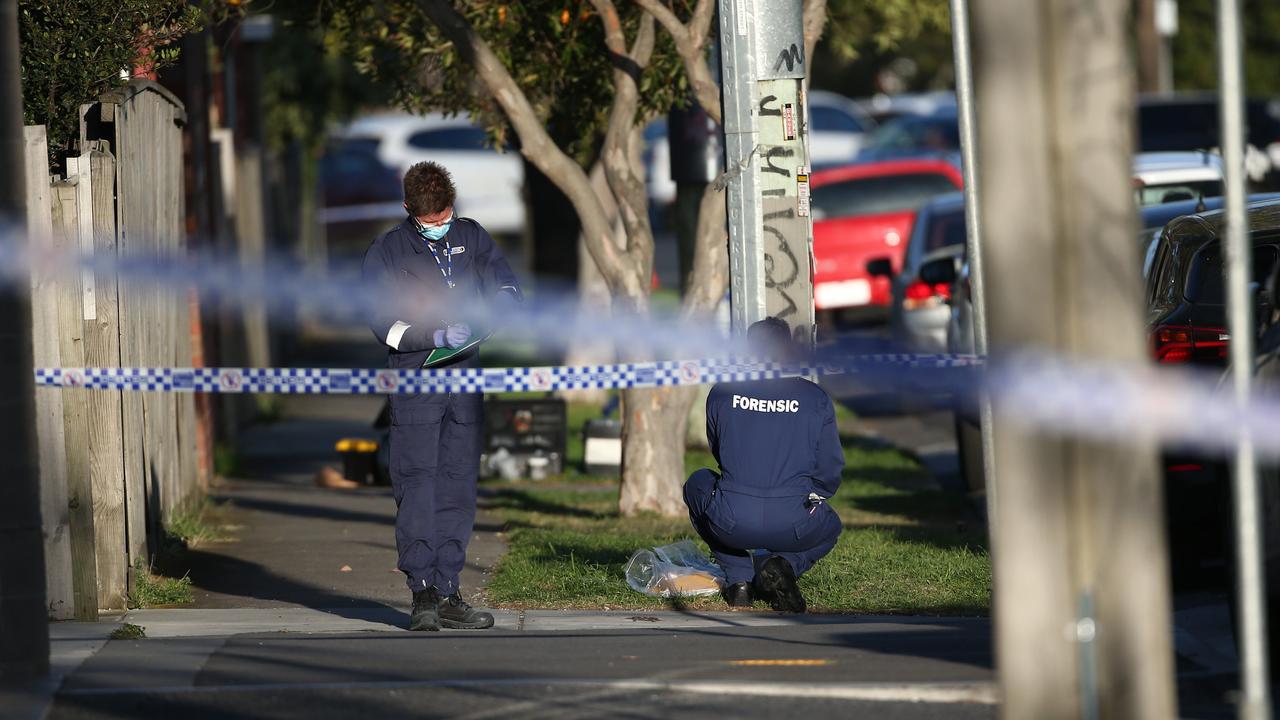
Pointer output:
780, 459
435, 269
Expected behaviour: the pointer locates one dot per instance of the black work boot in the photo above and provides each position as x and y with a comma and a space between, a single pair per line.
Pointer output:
738, 595
776, 582
424, 615
456, 613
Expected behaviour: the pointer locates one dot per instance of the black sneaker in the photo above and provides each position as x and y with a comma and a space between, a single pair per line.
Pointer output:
424, 615
738, 595
776, 581
457, 614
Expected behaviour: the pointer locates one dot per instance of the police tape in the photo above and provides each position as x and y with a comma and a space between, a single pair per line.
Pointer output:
369, 381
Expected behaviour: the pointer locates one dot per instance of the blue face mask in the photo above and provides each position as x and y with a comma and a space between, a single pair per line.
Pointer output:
435, 232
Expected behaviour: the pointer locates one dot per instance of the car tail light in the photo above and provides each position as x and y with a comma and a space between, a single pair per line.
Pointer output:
921, 295
1184, 467
1172, 344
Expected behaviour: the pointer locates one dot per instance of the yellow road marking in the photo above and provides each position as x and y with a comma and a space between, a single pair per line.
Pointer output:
786, 663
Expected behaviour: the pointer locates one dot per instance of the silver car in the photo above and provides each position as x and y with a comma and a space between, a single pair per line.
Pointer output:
919, 312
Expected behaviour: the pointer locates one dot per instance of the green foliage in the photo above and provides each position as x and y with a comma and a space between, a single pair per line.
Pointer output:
863, 38
554, 50
75, 50
226, 460
151, 590
194, 524
855, 27
1195, 59
129, 631
308, 84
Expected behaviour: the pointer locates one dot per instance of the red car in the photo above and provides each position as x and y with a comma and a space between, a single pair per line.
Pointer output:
864, 212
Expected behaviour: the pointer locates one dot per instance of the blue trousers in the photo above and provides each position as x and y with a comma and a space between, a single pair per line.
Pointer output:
734, 525
435, 461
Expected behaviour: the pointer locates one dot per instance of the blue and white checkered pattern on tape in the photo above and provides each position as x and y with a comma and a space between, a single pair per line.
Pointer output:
366, 381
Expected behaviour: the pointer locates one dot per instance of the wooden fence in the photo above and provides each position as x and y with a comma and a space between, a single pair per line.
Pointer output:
114, 465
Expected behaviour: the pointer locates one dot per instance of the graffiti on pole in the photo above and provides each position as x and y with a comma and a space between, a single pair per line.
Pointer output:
783, 178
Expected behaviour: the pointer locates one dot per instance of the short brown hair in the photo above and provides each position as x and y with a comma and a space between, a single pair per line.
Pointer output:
428, 189
770, 338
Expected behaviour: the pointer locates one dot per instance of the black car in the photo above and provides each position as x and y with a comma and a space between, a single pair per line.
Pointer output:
1186, 298
1187, 325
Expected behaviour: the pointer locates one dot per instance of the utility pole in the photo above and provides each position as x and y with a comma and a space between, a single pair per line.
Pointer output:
1156, 22
1082, 607
963, 52
1148, 46
766, 125
24, 629
1250, 578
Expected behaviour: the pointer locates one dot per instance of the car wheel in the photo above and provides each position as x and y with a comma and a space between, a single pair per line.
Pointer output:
969, 449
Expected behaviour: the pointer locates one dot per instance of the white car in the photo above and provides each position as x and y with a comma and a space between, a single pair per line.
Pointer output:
837, 128
1165, 177
887, 107
490, 182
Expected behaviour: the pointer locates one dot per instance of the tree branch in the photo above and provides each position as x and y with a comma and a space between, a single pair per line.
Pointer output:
815, 21
627, 186
536, 145
691, 43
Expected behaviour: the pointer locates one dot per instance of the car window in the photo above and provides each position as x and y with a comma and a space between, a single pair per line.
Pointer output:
1158, 281
1176, 192
1149, 241
1206, 282
915, 132
945, 230
449, 138
869, 196
829, 119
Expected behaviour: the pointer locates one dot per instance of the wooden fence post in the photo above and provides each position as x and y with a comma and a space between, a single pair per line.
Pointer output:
66, 239
102, 349
50, 436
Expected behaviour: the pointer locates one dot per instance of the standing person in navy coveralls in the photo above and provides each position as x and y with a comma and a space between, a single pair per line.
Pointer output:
780, 458
436, 268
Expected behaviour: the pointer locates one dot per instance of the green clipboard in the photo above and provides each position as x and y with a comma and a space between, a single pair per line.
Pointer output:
440, 356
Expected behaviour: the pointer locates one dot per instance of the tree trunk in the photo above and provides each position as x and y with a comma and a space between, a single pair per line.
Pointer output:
593, 301
653, 443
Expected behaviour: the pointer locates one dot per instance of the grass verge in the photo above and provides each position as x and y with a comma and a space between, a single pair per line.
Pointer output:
152, 590
194, 524
904, 549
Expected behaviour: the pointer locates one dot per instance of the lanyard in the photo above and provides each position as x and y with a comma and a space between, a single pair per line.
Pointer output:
446, 267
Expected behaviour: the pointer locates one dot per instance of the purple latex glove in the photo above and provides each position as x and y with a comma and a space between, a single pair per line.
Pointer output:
453, 336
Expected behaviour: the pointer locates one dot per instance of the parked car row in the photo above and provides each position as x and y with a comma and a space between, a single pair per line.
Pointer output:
1187, 325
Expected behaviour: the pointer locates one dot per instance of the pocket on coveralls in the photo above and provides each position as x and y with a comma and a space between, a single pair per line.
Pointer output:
721, 514
415, 438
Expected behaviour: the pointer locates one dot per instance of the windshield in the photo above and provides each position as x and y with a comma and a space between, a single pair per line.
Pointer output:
916, 132
872, 196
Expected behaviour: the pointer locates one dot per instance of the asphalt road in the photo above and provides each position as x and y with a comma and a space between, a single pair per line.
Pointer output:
837, 668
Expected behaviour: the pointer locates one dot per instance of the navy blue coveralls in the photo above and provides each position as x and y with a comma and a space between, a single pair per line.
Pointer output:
776, 442
435, 437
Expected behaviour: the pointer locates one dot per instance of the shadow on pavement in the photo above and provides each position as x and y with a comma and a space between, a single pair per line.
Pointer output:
225, 575
302, 510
